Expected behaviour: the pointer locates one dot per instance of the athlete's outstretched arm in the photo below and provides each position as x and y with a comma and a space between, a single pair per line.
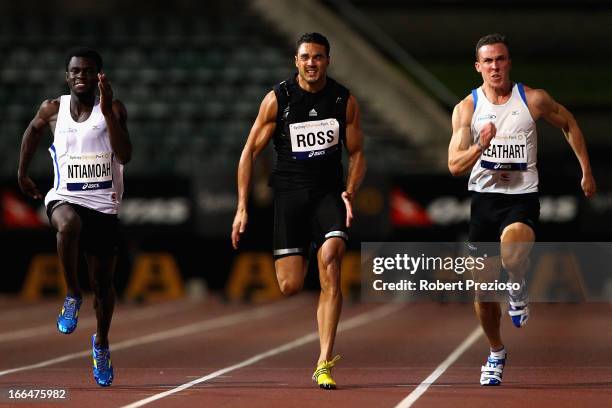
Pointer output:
31, 138
462, 153
357, 161
259, 136
115, 115
558, 116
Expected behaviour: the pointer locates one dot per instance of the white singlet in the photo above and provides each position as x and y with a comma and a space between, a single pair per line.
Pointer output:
508, 165
86, 170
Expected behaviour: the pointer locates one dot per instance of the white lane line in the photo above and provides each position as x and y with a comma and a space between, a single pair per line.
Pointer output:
120, 317
209, 324
452, 357
356, 321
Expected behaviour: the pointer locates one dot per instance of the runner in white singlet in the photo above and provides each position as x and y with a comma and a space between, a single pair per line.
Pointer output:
90, 146
494, 137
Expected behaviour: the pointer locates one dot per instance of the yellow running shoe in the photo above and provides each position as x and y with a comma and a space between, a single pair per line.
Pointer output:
322, 374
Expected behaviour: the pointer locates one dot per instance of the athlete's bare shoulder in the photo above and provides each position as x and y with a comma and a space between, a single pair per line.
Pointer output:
270, 98
352, 109
537, 95
48, 110
466, 103
269, 108
462, 114
50, 106
539, 101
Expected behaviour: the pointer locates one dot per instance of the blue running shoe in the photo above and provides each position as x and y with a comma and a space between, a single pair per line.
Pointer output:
518, 306
69, 316
491, 373
102, 366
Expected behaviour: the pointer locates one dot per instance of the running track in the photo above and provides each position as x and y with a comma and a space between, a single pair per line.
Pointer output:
186, 354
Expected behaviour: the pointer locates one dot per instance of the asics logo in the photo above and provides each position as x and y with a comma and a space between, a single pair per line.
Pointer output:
502, 166
87, 186
315, 154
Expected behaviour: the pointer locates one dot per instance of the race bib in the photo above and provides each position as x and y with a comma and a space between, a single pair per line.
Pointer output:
314, 138
506, 152
89, 171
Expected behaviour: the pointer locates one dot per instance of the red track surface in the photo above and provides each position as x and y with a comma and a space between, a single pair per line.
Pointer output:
562, 358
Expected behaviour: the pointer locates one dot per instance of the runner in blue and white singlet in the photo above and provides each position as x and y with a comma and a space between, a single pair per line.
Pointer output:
90, 146
86, 170
495, 138
508, 165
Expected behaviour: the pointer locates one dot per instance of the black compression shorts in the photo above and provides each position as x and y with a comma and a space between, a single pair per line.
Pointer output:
306, 216
492, 212
99, 231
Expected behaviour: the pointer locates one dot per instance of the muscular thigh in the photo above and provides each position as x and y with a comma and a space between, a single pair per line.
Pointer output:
518, 229
292, 268
329, 258
63, 216
516, 243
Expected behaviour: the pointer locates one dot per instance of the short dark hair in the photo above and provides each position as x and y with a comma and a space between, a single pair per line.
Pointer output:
489, 39
84, 52
312, 38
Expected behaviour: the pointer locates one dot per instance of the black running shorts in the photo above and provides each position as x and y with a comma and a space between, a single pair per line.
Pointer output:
492, 212
99, 231
306, 216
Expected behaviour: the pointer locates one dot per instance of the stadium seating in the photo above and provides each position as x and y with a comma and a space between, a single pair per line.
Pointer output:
191, 84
